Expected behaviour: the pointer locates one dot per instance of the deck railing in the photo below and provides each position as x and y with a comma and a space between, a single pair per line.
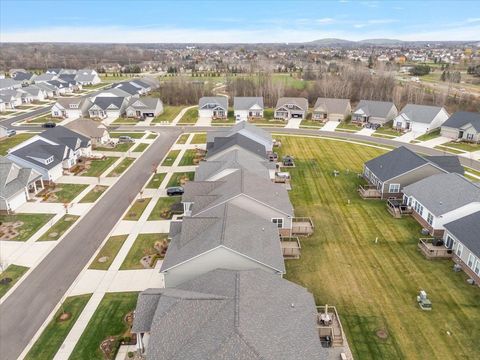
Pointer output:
302, 226
432, 251
291, 247
369, 192
333, 329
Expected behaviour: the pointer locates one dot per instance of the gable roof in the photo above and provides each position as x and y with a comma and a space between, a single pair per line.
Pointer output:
466, 230
335, 106
443, 193
128, 87
225, 226
420, 113
245, 103
461, 118
375, 108
302, 103
227, 314
144, 103
222, 143
87, 127
64, 136
40, 149
401, 160
103, 102
221, 101
14, 178
22, 75
243, 128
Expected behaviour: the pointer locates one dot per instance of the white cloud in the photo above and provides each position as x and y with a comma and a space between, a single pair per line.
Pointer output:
381, 21
325, 21
472, 20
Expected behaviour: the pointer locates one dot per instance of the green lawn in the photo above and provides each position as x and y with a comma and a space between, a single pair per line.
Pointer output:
59, 228
31, 224
449, 149
120, 147
9, 142
44, 119
94, 194
221, 122
133, 135
57, 330
347, 126
98, 167
142, 246
188, 158
152, 136
463, 146
169, 113
311, 124
432, 135
388, 130
171, 157
108, 320
120, 168
179, 178
108, 252
200, 138
374, 285
473, 171
383, 136
137, 209
156, 181
140, 147
14, 272
183, 139
161, 210
65, 193
190, 117
125, 121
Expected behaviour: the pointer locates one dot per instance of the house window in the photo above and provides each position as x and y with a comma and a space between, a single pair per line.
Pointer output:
471, 260
430, 218
418, 208
476, 270
278, 221
450, 242
470, 137
459, 250
55, 113
394, 188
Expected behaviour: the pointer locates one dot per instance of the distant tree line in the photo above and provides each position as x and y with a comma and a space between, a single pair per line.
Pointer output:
179, 91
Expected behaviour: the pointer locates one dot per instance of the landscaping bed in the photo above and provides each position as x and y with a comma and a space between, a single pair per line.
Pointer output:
59, 228
144, 246
107, 254
20, 227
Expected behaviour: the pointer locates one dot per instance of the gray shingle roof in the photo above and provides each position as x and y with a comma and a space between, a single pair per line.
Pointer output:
461, 118
402, 160
218, 100
375, 108
443, 193
64, 136
467, 230
222, 143
129, 88
244, 128
335, 106
225, 226
14, 178
420, 113
42, 150
231, 315
302, 103
144, 103
245, 103
87, 127
103, 102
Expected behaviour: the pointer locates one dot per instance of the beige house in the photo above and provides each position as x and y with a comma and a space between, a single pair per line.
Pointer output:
95, 130
326, 109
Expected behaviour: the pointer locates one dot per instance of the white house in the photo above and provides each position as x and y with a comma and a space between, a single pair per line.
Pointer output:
440, 199
70, 107
107, 107
215, 107
290, 107
420, 118
144, 107
87, 77
245, 108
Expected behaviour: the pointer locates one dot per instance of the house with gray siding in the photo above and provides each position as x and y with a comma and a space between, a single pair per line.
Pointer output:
326, 109
462, 126
144, 108
245, 108
291, 107
374, 112
213, 107
420, 118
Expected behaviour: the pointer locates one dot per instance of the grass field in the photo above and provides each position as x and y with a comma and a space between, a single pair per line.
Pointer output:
31, 224
374, 285
57, 330
98, 167
140, 147
176, 178
199, 138
434, 134
65, 193
169, 113
9, 142
108, 320
190, 117
171, 157
94, 194
14, 272
137, 209
121, 167
142, 246
183, 139
161, 210
347, 126
188, 158
156, 181
463, 146
108, 251
59, 228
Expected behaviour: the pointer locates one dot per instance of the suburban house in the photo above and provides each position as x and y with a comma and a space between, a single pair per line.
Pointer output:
10, 84
246, 129
132, 88
45, 78
97, 132
48, 89
462, 126
214, 107
374, 112
107, 107
462, 237
24, 76
34, 93
17, 184
113, 92
326, 109
70, 107
144, 108
420, 118
245, 108
229, 314
440, 199
212, 241
291, 107
389, 173
87, 77
237, 141
13, 98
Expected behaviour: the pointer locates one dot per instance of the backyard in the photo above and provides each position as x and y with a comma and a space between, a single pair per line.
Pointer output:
374, 285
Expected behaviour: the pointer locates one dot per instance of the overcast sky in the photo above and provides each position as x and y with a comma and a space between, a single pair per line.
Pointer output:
236, 21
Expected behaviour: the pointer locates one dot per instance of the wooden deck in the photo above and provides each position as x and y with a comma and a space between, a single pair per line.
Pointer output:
397, 208
369, 192
291, 247
431, 251
332, 328
302, 226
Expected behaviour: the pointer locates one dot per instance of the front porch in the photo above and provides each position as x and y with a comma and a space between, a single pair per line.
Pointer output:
330, 330
368, 191
302, 226
433, 248
290, 247
397, 208
34, 188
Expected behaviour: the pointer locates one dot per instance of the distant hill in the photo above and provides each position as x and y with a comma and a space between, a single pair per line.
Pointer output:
332, 42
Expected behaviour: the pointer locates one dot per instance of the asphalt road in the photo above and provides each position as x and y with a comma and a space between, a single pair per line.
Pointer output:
25, 310
37, 112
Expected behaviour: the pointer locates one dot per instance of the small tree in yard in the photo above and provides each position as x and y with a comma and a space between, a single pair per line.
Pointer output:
420, 70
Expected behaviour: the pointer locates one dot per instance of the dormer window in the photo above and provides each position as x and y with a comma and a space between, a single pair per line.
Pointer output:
73, 106
49, 160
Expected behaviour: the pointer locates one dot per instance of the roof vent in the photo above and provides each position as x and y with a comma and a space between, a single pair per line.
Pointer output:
292, 305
